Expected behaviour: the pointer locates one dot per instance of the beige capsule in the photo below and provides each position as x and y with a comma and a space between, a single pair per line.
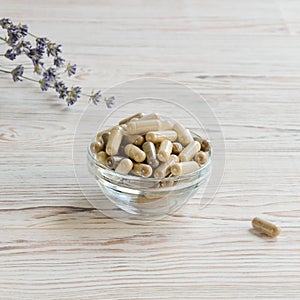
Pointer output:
100, 134
142, 170
165, 168
101, 157
125, 166
135, 153
114, 140
113, 161
126, 120
201, 158
265, 227
183, 168
142, 126
105, 137
149, 149
135, 139
205, 145
153, 116
183, 134
177, 148
159, 136
189, 151
165, 150
96, 147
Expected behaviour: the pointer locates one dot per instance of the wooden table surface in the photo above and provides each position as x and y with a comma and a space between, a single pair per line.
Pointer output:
244, 58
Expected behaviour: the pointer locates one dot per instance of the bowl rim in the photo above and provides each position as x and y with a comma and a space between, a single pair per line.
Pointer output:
112, 173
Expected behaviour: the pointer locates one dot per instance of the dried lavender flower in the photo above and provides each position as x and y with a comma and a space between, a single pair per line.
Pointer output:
73, 95
53, 49
58, 61
49, 73
70, 69
109, 101
17, 72
95, 97
10, 54
44, 84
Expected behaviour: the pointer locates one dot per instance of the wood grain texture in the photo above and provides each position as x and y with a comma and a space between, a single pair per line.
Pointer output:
244, 57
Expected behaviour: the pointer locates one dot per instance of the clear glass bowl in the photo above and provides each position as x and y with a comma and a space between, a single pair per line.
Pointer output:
148, 197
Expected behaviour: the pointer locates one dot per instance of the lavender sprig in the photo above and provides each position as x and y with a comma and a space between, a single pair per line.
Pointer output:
37, 49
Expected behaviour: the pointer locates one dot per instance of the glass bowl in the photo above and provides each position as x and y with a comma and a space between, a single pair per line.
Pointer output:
148, 197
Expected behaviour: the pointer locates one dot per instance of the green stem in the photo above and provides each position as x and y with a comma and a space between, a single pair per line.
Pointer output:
24, 77
30, 79
5, 71
1, 38
31, 34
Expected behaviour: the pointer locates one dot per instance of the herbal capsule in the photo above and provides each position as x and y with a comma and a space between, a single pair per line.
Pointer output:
101, 157
124, 127
189, 151
135, 153
265, 227
96, 147
159, 136
150, 151
153, 116
165, 150
184, 135
183, 168
113, 161
142, 170
126, 120
105, 137
125, 166
135, 139
168, 183
177, 148
200, 158
114, 141
165, 168
141, 126
100, 134
205, 146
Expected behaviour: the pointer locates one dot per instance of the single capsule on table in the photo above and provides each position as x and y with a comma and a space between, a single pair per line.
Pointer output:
113, 161
183, 168
126, 120
177, 148
142, 126
201, 158
135, 153
114, 140
101, 157
265, 227
183, 134
150, 151
165, 168
165, 150
159, 136
125, 166
142, 170
189, 151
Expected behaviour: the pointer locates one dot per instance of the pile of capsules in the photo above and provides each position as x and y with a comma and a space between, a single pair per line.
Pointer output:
150, 146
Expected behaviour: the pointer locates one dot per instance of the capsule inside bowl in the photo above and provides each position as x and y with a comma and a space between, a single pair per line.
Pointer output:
144, 170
